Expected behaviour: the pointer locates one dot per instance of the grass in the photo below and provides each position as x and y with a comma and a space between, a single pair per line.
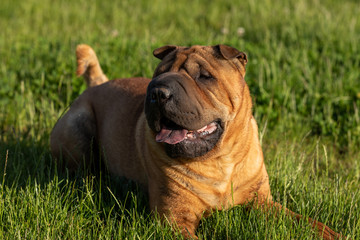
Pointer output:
303, 73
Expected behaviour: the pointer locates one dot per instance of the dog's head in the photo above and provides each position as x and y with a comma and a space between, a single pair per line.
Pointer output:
194, 93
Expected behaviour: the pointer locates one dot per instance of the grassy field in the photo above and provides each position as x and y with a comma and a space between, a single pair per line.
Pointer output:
303, 73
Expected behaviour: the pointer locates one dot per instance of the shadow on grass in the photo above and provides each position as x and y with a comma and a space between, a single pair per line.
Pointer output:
26, 163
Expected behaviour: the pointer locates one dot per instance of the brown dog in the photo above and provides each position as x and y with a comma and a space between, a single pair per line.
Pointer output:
194, 147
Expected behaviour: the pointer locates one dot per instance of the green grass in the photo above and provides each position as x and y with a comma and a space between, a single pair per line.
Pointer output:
303, 73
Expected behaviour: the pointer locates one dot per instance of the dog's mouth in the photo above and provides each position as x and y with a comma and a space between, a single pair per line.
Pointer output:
171, 133
182, 142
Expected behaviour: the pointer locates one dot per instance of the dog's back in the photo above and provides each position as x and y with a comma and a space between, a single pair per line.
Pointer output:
101, 114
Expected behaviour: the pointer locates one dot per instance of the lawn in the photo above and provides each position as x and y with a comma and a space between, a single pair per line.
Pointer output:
303, 74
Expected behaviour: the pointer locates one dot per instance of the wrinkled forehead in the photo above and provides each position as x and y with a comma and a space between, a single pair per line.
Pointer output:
197, 52
207, 56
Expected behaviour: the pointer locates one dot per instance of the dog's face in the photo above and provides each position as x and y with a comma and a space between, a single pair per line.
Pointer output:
195, 92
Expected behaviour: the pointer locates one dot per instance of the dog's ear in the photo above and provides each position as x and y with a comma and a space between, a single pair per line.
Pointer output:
229, 53
162, 52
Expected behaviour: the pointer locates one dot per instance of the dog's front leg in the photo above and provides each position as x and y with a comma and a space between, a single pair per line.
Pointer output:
177, 206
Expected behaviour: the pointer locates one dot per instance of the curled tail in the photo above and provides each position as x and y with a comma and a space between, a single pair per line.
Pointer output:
88, 66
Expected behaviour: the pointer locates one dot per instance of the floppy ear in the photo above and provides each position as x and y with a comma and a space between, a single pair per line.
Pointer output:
162, 52
229, 53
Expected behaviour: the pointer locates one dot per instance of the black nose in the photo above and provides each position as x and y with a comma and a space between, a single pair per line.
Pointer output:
160, 95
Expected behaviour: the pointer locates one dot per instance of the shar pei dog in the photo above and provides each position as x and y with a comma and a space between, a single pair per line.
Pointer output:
187, 135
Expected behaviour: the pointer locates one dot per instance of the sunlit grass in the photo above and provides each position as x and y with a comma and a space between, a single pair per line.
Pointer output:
304, 77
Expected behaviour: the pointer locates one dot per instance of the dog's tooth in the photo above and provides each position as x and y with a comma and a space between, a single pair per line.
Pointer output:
191, 135
204, 133
202, 129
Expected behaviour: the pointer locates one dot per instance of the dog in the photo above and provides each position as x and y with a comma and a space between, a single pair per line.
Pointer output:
187, 136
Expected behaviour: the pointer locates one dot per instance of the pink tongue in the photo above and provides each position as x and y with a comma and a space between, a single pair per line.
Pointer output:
171, 136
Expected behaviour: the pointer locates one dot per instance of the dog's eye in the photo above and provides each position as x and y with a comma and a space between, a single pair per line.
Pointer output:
205, 75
